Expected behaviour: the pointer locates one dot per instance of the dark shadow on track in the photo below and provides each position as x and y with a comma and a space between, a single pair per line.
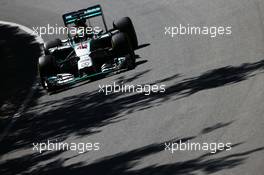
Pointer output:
94, 110
142, 46
123, 162
19, 54
129, 103
211, 79
215, 127
216, 78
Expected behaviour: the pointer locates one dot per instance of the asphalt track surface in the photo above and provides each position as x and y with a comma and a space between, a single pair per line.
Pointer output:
214, 93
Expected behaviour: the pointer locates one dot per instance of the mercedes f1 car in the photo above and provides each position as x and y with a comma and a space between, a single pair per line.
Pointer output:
87, 54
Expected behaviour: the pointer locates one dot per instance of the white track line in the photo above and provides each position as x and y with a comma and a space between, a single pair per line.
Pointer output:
26, 102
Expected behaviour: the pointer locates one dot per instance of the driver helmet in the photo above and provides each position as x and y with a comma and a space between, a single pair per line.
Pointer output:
80, 23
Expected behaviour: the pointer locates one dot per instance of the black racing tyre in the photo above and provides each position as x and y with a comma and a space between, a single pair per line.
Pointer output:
53, 43
47, 67
100, 43
130, 61
121, 44
125, 25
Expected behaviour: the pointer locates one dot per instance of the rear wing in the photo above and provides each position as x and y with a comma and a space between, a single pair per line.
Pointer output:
90, 12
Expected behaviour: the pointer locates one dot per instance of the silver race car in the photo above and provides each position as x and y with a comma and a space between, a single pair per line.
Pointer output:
89, 52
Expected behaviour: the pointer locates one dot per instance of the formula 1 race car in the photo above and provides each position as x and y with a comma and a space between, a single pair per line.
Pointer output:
89, 52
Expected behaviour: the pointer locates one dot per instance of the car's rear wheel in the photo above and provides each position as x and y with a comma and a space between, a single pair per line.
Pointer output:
125, 25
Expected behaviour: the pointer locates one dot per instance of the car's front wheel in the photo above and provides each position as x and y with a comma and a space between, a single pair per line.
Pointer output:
130, 61
125, 25
122, 47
